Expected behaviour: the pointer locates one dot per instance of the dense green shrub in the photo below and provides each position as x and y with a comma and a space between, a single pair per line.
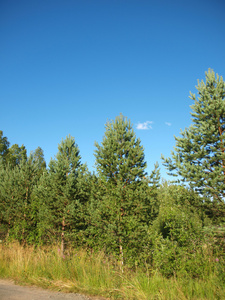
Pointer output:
177, 232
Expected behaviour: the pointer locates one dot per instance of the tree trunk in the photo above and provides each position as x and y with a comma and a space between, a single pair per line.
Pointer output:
121, 255
63, 237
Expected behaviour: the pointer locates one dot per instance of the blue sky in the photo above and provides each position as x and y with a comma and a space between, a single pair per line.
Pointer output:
66, 67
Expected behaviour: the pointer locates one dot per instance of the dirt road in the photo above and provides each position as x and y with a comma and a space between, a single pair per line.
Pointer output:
10, 291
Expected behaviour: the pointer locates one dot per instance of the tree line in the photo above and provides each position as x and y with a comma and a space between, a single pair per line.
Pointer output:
120, 209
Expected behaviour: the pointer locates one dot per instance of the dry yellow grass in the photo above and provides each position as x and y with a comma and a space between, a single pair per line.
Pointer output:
94, 274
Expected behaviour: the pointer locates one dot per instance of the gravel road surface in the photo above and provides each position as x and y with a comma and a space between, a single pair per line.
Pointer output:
10, 291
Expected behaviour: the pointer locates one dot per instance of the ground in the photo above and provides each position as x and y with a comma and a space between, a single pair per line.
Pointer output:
10, 291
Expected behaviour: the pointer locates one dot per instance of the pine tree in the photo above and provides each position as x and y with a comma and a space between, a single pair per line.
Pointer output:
11, 155
17, 207
199, 155
19, 176
121, 156
37, 157
61, 195
16, 154
120, 214
4, 147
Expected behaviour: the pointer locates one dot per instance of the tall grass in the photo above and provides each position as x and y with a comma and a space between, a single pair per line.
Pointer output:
95, 274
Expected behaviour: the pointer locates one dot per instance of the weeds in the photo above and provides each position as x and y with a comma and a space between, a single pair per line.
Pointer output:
95, 274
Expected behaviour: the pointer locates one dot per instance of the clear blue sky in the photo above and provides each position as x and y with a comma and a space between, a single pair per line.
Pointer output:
67, 66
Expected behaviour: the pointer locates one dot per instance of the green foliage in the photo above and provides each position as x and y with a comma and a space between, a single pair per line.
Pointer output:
121, 156
177, 232
37, 157
199, 259
120, 218
11, 155
4, 147
62, 194
17, 206
16, 155
95, 274
180, 203
168, 229
123, 208
199, 156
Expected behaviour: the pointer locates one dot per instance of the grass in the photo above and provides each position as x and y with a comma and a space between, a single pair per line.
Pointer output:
94, 274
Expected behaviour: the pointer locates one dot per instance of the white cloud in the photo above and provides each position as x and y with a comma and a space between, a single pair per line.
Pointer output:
168, 124
144, 126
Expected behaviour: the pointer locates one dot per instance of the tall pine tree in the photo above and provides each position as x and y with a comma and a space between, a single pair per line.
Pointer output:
18, 209
61, 194
199, 155
121, 213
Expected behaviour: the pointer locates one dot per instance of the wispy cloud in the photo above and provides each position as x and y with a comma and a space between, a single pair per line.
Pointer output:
144, 126
168, 124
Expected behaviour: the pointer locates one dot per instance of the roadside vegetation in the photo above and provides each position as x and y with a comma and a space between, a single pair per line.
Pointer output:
96, 274
120, 233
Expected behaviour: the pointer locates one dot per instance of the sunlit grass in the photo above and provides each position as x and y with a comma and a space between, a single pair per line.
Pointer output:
95, 274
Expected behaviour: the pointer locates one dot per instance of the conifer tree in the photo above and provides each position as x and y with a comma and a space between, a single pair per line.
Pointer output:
199, 155
120, 158
121, 217
37, 157
61, 194
17, 207
11, 155
4, 148
16, 154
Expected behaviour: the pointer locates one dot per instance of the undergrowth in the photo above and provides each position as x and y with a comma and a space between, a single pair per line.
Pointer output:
95, 274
